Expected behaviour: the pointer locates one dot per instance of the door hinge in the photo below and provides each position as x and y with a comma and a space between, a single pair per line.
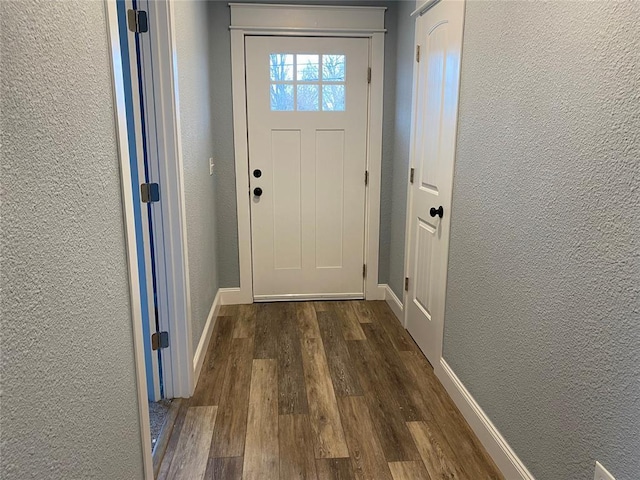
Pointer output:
364, 271
412, 172
406, 284
159, 340
418, 53
369, 75
366, 177
149, 192
138, 20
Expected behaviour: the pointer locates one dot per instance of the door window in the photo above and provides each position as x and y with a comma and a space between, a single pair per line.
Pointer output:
318, 83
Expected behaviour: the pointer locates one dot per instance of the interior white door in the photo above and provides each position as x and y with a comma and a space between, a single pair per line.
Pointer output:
439, 36
307, 101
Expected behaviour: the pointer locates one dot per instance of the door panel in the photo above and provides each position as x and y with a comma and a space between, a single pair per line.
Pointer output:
307, 106
287, 200
439, 34
329, 197
422, 275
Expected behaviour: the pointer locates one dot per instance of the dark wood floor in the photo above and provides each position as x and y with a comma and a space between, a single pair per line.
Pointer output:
328, 390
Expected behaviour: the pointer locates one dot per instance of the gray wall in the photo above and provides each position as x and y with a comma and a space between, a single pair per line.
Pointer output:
197, 127
388, 137
543, 306
222, 128
69, 406
395, 221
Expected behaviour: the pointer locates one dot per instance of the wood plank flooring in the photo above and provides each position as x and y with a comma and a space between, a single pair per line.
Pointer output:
315, 391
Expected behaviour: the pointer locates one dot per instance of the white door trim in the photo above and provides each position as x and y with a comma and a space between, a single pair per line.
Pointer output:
311, 20
175, 232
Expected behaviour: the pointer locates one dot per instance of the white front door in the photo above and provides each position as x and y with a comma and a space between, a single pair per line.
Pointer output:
439, 36
307, 101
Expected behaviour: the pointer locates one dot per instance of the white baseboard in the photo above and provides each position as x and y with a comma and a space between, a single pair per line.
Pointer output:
234, 296
495, 444
393, 301
201, 351
377, 293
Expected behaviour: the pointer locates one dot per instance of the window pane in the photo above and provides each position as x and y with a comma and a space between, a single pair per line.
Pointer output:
281, 97
333, 68
281, 67
333, 98
308, 67
308, 97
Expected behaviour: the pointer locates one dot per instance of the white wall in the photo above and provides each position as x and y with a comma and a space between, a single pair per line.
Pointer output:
69, 405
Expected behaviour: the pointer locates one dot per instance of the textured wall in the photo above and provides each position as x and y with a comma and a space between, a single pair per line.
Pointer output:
196, 123
69, 405
220, 55
543, 306
405, 60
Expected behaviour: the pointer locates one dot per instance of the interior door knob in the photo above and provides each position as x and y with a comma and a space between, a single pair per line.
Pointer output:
436, 211
257, 191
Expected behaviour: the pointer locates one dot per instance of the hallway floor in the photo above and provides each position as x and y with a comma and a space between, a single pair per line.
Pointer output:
324, 390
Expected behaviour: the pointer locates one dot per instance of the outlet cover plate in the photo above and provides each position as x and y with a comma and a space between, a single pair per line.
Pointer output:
602, 473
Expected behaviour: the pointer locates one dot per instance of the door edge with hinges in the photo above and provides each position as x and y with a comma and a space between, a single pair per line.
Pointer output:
137, 20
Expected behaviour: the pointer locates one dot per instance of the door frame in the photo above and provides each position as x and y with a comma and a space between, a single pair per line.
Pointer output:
317, 21
122, 135
123, 70
175, 313
419, 12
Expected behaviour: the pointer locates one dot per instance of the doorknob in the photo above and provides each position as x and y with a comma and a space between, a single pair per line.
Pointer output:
257, 191
439, 211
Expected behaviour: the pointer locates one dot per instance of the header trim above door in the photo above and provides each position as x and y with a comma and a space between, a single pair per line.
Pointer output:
249, 16
307, 20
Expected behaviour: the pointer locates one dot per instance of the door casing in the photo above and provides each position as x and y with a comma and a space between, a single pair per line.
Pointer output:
319, 21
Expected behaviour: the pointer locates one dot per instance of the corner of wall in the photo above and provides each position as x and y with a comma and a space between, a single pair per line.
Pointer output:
393, 301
